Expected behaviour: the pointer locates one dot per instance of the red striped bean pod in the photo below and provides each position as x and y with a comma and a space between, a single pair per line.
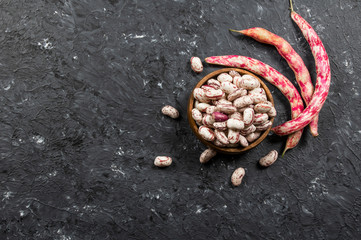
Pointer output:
323, 80
294, 60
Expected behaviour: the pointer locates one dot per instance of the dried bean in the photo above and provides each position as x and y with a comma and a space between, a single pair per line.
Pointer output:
196, 64
162, 161
207, 155
170, 111
269, 159
206, 133
196, 114
237, 176
224, 77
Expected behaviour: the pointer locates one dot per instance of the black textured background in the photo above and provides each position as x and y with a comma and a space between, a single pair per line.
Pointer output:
81, 88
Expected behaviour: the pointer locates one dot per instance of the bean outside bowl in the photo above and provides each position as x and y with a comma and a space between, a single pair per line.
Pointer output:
194, 126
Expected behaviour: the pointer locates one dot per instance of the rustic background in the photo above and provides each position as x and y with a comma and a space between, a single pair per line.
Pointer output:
81, 88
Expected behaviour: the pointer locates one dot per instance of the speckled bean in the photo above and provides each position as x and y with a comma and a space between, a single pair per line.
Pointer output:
237, 176
200, 95
214, 94
222, 102
236, 115
207, 87
206, 133
248, 130
218, 143
237, 94
196, 64
257, 91
233, 73
248, 116
253, 136
196, 114
264, 126
207, 155
260, 118
272, 112
162, 161
249, 82
228, 87
221, 136
241, 110
235, 124
233, 136
243, 101
243, 141
222, 126
170, 111
203, 107
228, 109
208, 120
214, 83
258, 98
263, 107
269, 159
211, 109
237, 81
224, 77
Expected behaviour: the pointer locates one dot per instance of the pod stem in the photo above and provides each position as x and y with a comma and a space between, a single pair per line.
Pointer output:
284, 152
232, 30
291, 6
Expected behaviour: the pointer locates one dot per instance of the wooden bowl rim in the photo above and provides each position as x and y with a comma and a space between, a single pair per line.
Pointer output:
194, 126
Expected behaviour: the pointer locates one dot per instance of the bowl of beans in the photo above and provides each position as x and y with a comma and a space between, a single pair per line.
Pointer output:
231, 110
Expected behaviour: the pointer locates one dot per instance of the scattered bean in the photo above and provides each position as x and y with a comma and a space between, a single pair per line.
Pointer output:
196, 64
162, 161
170, 111
269, 159
237, 176
207, 155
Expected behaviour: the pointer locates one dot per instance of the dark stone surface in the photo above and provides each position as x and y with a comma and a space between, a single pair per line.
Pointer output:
82, 85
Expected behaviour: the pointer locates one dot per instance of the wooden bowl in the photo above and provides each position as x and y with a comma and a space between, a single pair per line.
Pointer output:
194, 126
